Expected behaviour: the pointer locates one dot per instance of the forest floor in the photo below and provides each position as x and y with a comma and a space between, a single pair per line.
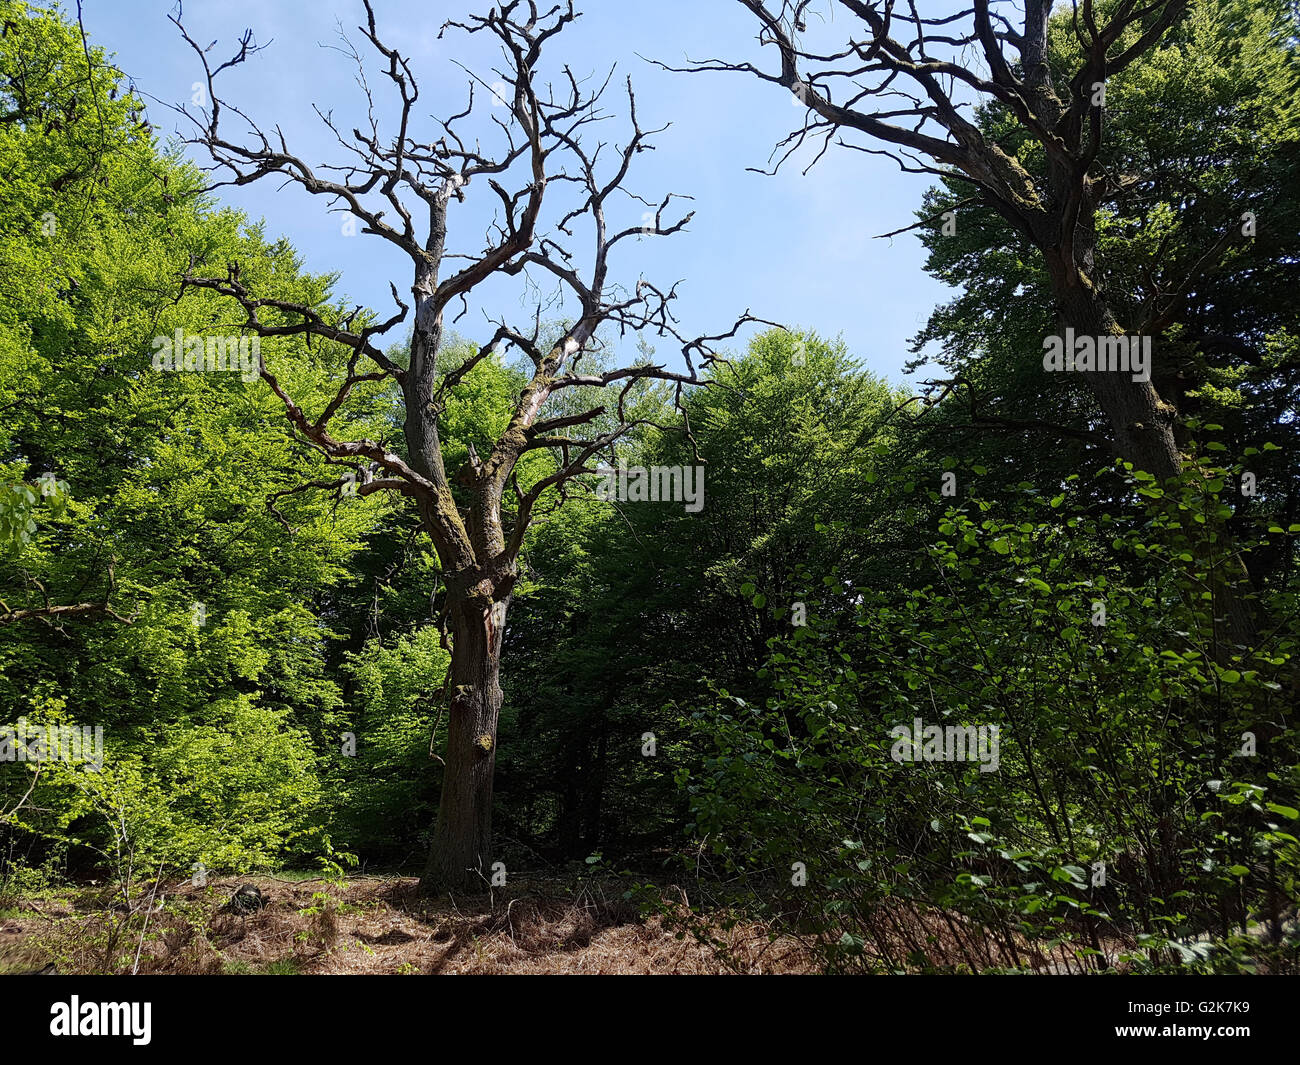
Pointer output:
380, 925
373, 925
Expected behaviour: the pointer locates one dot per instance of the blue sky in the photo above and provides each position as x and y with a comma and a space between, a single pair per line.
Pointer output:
793, 248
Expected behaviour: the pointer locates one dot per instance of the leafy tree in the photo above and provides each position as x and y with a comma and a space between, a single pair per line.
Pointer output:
1116, 798
1208, 113
645, 604
169, 514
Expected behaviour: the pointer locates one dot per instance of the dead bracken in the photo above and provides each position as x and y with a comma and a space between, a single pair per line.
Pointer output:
371, 925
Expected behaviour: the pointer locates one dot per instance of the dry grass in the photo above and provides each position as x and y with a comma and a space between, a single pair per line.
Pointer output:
375, 925
382, 926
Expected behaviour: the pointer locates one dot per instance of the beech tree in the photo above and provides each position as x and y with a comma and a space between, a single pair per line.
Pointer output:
547, 184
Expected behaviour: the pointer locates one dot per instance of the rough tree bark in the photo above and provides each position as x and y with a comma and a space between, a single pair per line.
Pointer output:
1141, 422
462, 838
386, 183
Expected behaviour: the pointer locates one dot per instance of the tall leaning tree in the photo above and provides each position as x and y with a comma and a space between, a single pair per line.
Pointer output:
909, 83
548, 187
906, 86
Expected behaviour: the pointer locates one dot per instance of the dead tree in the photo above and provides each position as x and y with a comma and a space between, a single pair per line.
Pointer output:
909, 83
402, 189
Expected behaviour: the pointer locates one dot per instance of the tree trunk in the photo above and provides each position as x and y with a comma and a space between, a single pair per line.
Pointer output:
1142, 424
460, 857
596, 790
